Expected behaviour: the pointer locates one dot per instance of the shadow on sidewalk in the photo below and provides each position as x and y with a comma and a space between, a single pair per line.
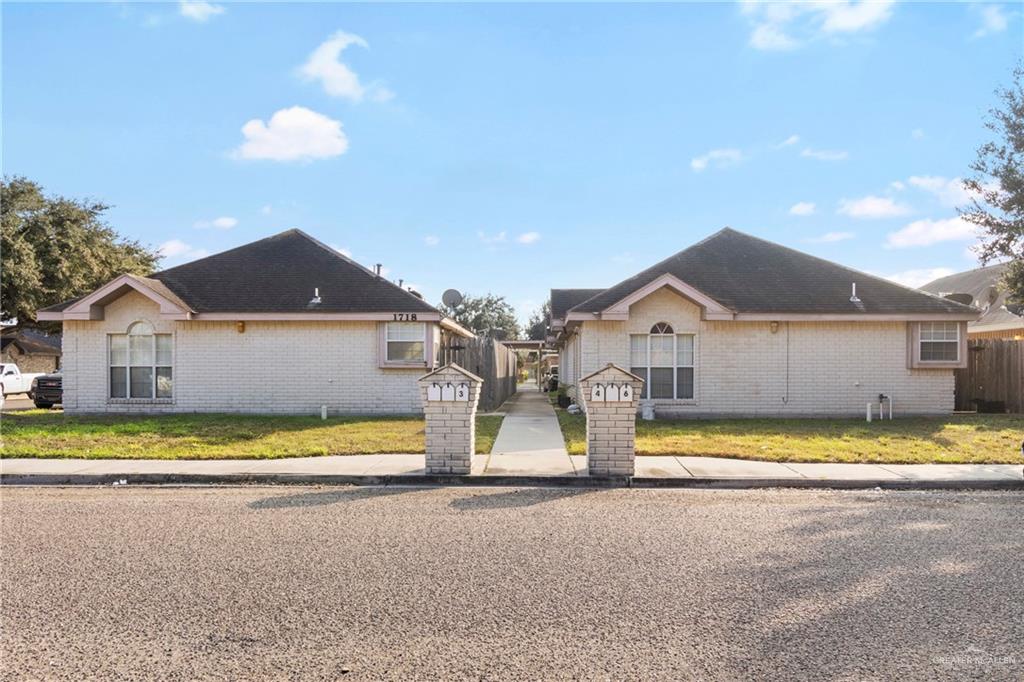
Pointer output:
325, 497
525, 497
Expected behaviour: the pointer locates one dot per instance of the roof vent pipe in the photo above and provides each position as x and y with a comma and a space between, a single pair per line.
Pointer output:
853, 293
316, 297
376, 268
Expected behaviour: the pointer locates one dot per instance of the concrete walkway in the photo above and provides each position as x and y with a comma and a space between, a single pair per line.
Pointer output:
529, 441
508, 469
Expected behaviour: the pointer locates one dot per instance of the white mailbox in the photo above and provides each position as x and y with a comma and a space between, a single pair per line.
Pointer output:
626, 394
448, 391
434, 391
462, 392
611, 393
597, 393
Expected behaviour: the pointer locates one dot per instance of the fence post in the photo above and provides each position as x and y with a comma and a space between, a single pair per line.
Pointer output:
450, 396
610, 396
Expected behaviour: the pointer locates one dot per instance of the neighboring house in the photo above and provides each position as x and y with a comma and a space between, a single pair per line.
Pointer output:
981, 286
285, 324
737, 325
30, 350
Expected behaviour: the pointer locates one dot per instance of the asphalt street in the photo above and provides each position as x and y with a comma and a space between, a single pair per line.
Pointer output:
406, 583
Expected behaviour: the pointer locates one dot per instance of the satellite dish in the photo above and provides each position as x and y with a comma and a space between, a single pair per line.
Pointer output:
451, 298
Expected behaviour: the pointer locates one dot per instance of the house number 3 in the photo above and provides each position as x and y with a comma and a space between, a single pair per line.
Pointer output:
405, 317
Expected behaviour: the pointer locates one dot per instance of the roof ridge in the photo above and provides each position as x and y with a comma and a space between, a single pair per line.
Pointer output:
725, 229
234, 248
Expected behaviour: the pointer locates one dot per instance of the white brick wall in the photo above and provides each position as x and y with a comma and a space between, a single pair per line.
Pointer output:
834, 367
274, 367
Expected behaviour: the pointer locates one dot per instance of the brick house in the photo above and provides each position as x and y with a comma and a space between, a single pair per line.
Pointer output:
32, 351
739, 326
207, 336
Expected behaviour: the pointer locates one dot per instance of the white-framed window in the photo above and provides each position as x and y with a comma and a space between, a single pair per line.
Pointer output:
141, 363
405, 342
665, 361
940, 342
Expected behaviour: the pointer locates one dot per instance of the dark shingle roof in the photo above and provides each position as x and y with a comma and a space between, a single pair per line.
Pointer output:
978, 283
29, 341
279, 274
563, 299
752, 275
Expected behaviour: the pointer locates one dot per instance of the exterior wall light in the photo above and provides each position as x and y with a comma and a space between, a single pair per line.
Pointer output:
774, 326
240, 326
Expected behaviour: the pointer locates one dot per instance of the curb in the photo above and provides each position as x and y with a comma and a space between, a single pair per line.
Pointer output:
450, 480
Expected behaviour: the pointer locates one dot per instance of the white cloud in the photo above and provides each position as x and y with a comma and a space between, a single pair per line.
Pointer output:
872, 207
222, 223
993, 20
897, 185
178, 251
787, 26
719, 158
926, 232
431, 240
338, 80
771, 37
492, 239
849, 17
948, 192
199, 10
294, 134
267, 210
802, 208
343, 251
831, 237
918, 277
917, 134
791, 140
824, 154
528, 237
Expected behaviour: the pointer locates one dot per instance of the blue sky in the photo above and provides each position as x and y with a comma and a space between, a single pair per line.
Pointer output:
513, 148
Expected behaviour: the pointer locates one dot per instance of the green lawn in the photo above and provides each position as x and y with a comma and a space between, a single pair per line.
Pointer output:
41, 433
918, 440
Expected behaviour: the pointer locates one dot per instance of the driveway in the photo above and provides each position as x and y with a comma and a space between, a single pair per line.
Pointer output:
406, 583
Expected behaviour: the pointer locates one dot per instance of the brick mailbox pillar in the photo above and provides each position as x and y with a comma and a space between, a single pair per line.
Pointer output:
610, 396
450, 396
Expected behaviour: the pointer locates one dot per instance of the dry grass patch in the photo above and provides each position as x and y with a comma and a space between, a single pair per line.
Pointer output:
913, 440
42, 433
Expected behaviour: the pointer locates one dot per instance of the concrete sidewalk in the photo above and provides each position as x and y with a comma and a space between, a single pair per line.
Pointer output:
409, 470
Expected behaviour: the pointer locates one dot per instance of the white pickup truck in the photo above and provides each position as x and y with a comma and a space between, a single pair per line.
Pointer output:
12, 381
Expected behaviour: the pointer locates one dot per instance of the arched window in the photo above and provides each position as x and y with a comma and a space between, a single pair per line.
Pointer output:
141, 363
665, 360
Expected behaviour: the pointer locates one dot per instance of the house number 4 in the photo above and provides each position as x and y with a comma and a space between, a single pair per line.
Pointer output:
405, 317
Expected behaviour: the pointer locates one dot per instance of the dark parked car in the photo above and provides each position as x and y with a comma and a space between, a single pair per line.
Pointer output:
47, 390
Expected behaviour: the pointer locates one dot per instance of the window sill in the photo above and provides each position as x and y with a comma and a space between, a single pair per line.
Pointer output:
404, 365
140, 401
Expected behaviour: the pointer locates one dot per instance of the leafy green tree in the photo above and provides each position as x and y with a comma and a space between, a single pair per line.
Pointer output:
537, 326
487, 315
55, 248
997, 188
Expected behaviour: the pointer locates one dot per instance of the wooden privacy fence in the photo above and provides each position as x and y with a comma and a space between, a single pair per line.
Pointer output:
492, 361
994, 373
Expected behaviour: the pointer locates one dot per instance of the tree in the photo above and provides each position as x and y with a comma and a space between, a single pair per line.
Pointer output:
54, 249
997, 188
537, 327
487, 315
